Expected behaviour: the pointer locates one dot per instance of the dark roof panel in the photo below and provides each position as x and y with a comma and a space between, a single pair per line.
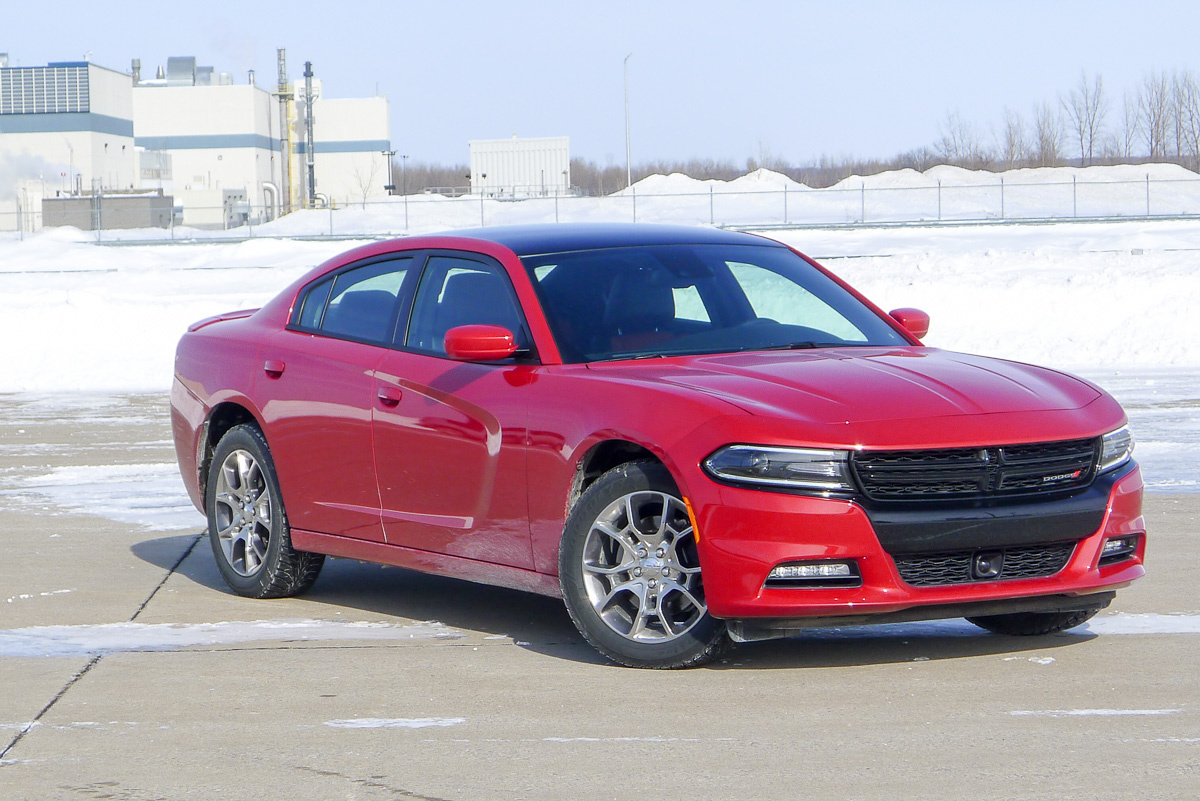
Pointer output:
529, 240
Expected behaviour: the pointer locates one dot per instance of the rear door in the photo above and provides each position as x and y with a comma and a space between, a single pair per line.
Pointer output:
450, 436
319, 381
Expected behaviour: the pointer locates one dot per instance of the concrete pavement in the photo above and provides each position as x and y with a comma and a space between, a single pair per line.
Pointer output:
504, 700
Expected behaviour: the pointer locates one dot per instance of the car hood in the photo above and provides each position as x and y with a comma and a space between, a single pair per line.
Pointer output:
855, 385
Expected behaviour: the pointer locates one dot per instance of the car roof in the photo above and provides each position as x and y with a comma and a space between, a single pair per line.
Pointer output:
531, 240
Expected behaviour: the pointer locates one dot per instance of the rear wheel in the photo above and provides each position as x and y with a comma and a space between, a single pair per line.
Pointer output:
247, 525
1033, 623
630, 572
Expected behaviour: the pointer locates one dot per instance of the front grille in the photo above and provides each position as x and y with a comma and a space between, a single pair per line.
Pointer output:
940, 569
975, 473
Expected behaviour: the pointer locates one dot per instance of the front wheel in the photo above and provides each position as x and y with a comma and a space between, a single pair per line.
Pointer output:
630, 572
1027, 624
247, 525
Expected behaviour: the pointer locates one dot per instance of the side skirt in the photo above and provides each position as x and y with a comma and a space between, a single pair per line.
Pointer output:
513, 578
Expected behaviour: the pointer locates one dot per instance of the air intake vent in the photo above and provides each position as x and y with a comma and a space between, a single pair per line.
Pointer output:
964, 567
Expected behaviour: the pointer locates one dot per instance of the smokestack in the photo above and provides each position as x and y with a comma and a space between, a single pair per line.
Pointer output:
308, 126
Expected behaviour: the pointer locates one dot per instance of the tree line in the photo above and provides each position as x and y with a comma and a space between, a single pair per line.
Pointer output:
1157, 121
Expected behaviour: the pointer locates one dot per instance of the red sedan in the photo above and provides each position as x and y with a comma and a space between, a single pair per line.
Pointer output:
690, 435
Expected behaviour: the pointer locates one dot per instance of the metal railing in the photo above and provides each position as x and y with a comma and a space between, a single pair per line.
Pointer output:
784, 206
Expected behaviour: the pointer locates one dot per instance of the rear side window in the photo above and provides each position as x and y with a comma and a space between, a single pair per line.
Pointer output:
314, 304
360, 303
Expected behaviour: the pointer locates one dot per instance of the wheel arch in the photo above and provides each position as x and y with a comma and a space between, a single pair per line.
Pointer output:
606, 454
223, 416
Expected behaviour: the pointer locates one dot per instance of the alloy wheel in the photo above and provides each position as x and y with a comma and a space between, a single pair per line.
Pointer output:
243, 512
641, 571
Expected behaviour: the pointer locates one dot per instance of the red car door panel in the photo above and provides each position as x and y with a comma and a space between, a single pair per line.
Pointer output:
318, 419
450, 455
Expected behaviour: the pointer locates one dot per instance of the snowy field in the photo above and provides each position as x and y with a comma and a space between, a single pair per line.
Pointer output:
1118, 302
759, 198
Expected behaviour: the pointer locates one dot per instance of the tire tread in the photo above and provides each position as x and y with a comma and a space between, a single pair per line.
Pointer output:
1033, 624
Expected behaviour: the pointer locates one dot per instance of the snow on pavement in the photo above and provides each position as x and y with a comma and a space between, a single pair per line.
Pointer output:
146, 495
90, 640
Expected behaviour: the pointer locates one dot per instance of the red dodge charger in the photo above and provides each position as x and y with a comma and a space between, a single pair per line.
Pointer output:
690, 435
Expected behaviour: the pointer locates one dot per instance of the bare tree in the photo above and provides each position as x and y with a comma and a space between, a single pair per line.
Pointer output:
1013, 145
1048, 135
416, 176
1130, 124
959, 143
920, 159
1085, 107
1186, 102
365, 180
1154, 113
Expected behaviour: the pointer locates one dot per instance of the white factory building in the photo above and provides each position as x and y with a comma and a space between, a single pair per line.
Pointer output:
351, 144
64, 127
224, 151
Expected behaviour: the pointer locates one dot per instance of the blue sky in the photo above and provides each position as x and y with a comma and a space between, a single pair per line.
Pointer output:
721, 80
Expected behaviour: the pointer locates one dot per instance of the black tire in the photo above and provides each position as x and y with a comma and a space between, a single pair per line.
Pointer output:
247, 524
1029, 624
682, 633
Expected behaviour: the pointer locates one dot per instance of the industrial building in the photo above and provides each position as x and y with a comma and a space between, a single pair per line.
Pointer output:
219, 137
352, 144
225, 152
65, 128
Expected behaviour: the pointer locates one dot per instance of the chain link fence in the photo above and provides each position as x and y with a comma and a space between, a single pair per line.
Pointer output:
777, 206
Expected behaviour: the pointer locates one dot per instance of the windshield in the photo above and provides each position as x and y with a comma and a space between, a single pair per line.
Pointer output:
665, 300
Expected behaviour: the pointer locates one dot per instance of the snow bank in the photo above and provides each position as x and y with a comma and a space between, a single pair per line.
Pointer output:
78, 316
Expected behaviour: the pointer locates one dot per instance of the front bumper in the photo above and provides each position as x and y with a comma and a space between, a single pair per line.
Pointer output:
744, 533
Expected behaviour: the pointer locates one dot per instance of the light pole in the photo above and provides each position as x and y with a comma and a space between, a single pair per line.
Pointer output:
628, 166
404, 186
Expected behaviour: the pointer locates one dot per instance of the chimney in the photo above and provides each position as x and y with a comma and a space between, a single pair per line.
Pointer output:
137, 71
250, 77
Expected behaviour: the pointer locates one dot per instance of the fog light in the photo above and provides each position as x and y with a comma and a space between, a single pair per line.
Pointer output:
1118, 549
816, 574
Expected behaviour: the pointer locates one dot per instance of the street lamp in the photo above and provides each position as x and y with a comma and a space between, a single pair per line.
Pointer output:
628, 168
404, 186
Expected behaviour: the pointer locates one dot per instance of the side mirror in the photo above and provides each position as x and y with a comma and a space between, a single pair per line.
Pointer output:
914, 321
480, 343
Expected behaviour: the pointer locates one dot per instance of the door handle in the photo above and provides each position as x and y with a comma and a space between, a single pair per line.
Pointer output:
389, 396
273, 368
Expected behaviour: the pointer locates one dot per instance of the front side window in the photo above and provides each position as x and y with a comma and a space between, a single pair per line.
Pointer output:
615, 303
360, 303
456, 291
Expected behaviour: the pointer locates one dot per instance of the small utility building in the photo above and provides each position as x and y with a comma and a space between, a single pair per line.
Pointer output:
514, 167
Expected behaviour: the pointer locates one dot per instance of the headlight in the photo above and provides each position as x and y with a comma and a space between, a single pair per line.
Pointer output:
1115, 449
801, 468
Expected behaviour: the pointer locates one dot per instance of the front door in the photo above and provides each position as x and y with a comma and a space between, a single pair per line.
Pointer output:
450, 436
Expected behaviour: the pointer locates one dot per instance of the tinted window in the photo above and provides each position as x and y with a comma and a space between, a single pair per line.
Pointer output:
360, 303
677, 299
314, 304
456, 292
